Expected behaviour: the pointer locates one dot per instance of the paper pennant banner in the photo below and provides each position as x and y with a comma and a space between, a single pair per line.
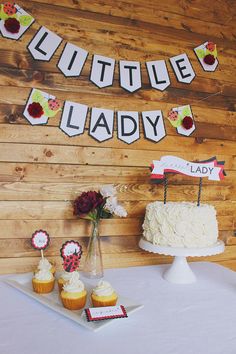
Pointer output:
44, 44
128, 126
182, 119
14, 20
73, 118
153, 125
158, 74
72, 60
102, 72
101, 124
207, 56
40, 240
211, 168
40, 107
182, 68
130, 75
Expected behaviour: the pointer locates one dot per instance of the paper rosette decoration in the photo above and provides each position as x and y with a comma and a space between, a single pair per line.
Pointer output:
182, 119
40, 240
14, 20
207, 56
40, 107
71, 252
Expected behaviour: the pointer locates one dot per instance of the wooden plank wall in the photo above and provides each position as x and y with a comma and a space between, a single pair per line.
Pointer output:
42, 170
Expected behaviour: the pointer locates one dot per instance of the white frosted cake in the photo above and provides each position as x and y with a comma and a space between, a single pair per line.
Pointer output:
180, 224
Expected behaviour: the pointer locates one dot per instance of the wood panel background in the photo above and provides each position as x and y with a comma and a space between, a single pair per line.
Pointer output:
42, 170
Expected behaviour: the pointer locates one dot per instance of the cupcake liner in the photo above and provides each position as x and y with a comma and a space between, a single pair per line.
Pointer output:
102, 303
43, 287
74, 304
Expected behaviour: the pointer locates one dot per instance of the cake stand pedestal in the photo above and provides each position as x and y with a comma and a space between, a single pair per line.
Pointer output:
180, 271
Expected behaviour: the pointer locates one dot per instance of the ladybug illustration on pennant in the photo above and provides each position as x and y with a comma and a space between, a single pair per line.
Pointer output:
71, 252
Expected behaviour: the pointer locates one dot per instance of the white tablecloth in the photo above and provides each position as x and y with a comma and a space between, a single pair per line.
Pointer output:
197, 318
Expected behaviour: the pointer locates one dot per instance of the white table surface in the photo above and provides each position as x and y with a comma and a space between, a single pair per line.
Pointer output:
197, 318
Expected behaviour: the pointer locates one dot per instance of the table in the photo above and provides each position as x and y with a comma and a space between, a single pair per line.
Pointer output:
198, 318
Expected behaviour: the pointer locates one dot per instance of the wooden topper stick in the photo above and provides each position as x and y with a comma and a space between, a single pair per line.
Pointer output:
42, 254
199, 192
165, 187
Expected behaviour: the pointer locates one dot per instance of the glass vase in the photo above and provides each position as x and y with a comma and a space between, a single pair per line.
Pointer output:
93, 266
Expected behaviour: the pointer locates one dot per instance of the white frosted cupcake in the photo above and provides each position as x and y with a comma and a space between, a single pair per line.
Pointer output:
44, 264
74, 295
43, 282
65, 277
103, 295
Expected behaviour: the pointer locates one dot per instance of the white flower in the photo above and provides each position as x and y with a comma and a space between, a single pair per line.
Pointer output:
120, 211
108, 190
111, 204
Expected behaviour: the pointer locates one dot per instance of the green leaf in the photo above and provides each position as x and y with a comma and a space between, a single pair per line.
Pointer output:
186, 111
105, 214
25, 20
200, 53
38, 97
176, 123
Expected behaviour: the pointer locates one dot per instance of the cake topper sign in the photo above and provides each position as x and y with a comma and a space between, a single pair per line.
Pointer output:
211, 168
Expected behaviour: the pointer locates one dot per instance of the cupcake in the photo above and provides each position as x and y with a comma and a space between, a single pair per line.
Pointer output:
44, 264
73, 295
64, 278
43, 282
103, 295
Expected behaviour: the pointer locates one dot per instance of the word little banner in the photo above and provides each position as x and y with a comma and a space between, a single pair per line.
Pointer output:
14, 22
211, 168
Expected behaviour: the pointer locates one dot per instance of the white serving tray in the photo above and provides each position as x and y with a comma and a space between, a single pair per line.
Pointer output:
23, 282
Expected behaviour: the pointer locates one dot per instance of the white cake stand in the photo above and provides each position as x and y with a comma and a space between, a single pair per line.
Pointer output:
180, 271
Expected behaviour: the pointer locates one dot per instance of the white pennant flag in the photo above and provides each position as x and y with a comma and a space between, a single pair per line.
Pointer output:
128, 126
130, 75
182, 68
153, 125
73, 118
44, 44
101, 124
158, 74
102, 72
72, 60
14, 21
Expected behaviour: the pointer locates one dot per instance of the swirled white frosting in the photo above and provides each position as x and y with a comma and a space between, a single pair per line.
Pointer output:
66, 276
43, 275
103, 288
44, 264
74, 285
180, 224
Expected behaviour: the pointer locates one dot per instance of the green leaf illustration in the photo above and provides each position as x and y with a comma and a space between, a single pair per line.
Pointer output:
186, 111
38, 97
200, 53
25, 20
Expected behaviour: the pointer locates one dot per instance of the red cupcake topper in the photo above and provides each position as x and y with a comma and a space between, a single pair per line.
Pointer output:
71, 252
40, 240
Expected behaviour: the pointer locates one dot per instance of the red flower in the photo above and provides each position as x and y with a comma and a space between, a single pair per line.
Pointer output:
12, 25
87, 202
210, 46
209, 59
187, 122
35, 110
